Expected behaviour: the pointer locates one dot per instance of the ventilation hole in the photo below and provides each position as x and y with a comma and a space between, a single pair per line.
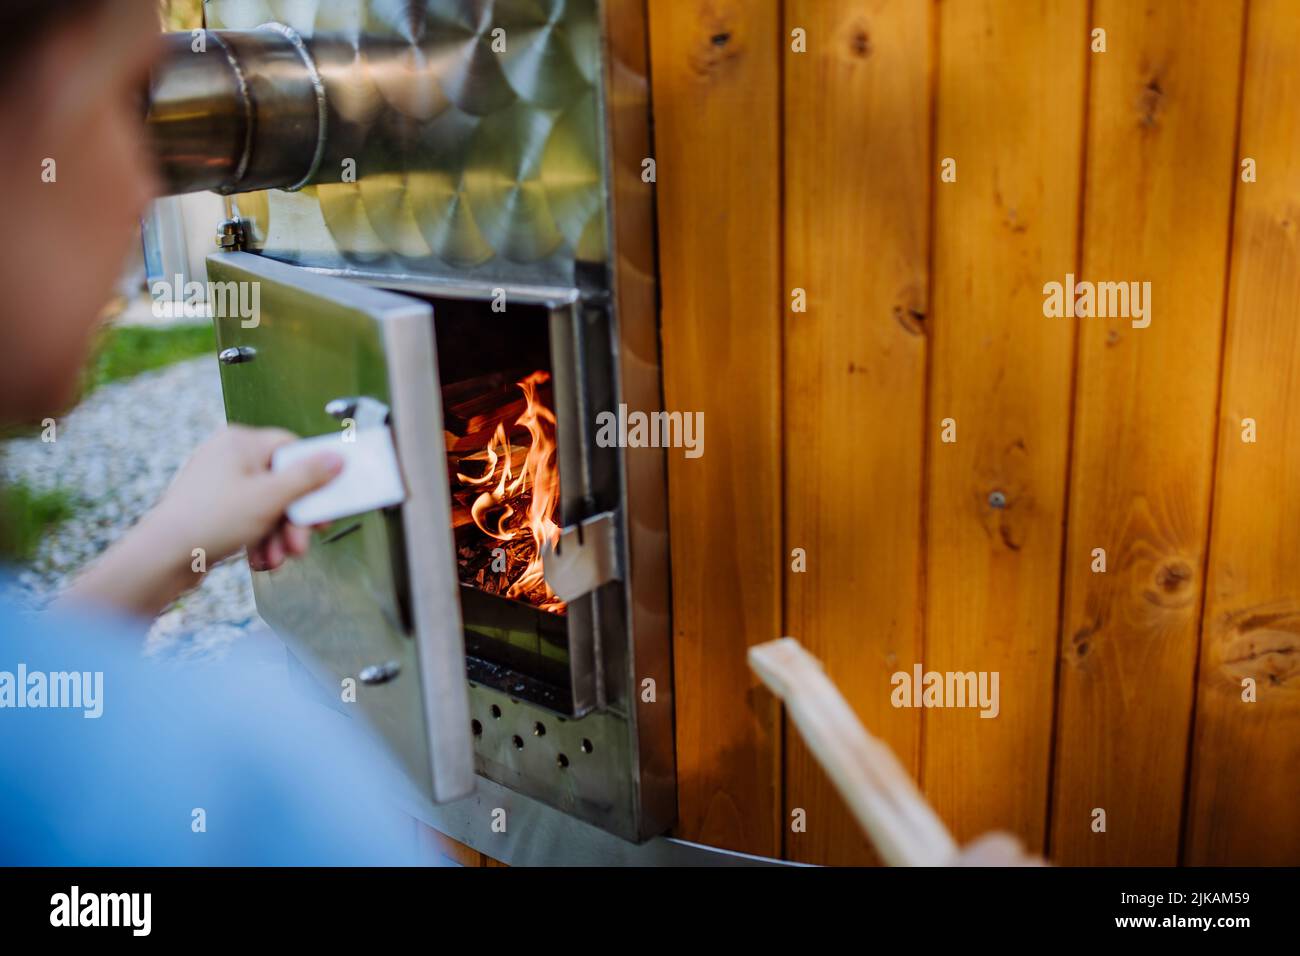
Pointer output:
496, 712
562, 761
586, 745
539, 729
519, 742
476, 727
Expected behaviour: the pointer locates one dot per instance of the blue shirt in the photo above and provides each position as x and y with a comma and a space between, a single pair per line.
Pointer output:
142, 762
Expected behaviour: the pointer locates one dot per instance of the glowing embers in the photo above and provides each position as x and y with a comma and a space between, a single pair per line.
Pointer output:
505, 483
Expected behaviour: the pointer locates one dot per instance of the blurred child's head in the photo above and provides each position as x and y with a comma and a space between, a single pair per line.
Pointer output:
75, 177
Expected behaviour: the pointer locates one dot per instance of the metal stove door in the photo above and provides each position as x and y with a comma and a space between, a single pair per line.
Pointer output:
375, 600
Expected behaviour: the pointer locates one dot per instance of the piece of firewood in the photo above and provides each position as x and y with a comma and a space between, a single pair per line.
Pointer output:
484, 413
874, 785
466, 388
476, 441
460, 515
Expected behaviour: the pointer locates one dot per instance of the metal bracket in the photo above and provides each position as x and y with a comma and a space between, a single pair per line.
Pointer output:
585, 557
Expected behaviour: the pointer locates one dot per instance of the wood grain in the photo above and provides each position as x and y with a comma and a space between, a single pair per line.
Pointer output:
857, 183
1161, 137
1245, 779
911, 554
1010, 112
715, 84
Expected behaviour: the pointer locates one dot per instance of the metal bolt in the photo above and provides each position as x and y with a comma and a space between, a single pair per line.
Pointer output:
237, 355
231, 235
380, 673
997, 500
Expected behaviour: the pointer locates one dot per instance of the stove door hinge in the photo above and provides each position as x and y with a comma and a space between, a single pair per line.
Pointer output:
232, 235
585, 557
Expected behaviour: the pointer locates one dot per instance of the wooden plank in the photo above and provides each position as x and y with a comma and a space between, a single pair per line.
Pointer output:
1244, 787
715, 83
1161, 138
1010, 112
879, 790
436, 841
636, 292
857, 180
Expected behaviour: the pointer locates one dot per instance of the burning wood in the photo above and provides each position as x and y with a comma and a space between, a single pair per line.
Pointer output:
505, 486
473, 409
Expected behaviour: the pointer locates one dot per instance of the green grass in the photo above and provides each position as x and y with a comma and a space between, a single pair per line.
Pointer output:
121, 352
26, 515
124, 351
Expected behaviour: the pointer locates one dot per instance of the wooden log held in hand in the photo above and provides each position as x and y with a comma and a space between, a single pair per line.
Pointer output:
874, 785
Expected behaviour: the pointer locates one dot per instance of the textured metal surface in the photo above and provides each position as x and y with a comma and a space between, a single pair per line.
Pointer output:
242, 110
473, 128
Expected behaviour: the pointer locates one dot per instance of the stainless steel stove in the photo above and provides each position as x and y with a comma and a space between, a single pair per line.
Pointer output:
440, 201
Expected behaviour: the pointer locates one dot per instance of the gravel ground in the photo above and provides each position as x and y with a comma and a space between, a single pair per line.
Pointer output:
115, 454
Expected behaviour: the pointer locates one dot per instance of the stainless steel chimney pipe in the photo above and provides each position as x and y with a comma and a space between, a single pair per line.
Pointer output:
237, 110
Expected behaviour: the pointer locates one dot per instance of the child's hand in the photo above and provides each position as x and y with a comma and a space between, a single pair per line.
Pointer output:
223, 499
226, 497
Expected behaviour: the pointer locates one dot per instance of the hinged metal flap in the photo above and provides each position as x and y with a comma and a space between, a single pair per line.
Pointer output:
585, 557
377, 594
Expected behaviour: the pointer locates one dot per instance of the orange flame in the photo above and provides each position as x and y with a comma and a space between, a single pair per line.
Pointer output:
539, 477
490, 501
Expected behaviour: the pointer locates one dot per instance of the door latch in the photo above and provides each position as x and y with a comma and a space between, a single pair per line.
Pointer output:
585, 557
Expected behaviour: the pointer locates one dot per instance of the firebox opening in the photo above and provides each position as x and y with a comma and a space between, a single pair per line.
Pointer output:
499, 430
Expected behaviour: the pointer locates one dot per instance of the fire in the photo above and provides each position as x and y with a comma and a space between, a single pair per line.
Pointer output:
501, 512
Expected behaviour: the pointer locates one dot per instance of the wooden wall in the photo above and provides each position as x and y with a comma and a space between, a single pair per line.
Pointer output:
819, 171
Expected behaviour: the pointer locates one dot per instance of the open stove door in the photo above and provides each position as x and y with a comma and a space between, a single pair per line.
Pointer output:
372, 610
